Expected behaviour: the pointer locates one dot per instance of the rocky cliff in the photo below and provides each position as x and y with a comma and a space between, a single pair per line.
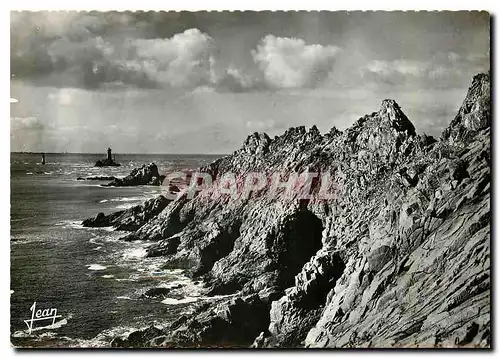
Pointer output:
130, 219
398, 257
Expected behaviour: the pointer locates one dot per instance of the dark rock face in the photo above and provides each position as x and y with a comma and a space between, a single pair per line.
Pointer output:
399, 257
294, 314
106, 163
156, 292
137, 339
145, 175
131, 219
240, 318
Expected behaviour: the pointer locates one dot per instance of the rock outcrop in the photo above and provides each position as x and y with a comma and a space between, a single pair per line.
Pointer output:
147, 174
475, 112
130, 219
106, 163
398, 257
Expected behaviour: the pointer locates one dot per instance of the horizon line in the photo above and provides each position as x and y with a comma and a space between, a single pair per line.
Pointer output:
104, 154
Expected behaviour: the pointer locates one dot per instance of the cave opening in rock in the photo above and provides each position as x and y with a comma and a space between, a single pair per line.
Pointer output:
296, 242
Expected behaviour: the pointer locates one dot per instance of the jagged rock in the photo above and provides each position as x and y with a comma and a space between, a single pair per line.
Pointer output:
130, 219
137, 339
169, 222
297, 311
147, 174
458, 171
475, 112
156, 292
399, 257
256, 143
391, 112
101, 220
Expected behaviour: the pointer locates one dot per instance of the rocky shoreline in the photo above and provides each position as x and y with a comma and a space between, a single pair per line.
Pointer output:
401, 257
147, 174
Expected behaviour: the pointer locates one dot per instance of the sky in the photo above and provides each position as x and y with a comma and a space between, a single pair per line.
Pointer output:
180, 82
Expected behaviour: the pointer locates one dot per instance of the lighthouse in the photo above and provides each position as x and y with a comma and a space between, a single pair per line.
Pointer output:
108, 162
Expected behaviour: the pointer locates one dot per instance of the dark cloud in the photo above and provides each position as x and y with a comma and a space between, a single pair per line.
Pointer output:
91, 49
247, 51
87, 50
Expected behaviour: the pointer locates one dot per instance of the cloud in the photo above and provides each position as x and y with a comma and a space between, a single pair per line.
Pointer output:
115, 50
442, 70
91, 50
237, 80
184, 60
397, 67
291, 63
26, 123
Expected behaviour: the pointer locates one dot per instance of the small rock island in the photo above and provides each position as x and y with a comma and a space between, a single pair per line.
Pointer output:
108, 162
147, 174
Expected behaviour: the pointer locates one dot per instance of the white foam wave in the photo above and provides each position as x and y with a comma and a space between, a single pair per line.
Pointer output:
56, 325
108, 228
135, 253
123, 199
109, 236
96, 267
125, 206
48, 335
74, 224
77, 224
175, 271
173, 301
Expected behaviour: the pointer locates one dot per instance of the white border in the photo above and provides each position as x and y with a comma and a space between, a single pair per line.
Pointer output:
194, 5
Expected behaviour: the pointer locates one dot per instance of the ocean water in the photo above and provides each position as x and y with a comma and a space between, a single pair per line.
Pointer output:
93, 279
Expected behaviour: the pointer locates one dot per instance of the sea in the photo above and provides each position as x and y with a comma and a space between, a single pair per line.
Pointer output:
92, 278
